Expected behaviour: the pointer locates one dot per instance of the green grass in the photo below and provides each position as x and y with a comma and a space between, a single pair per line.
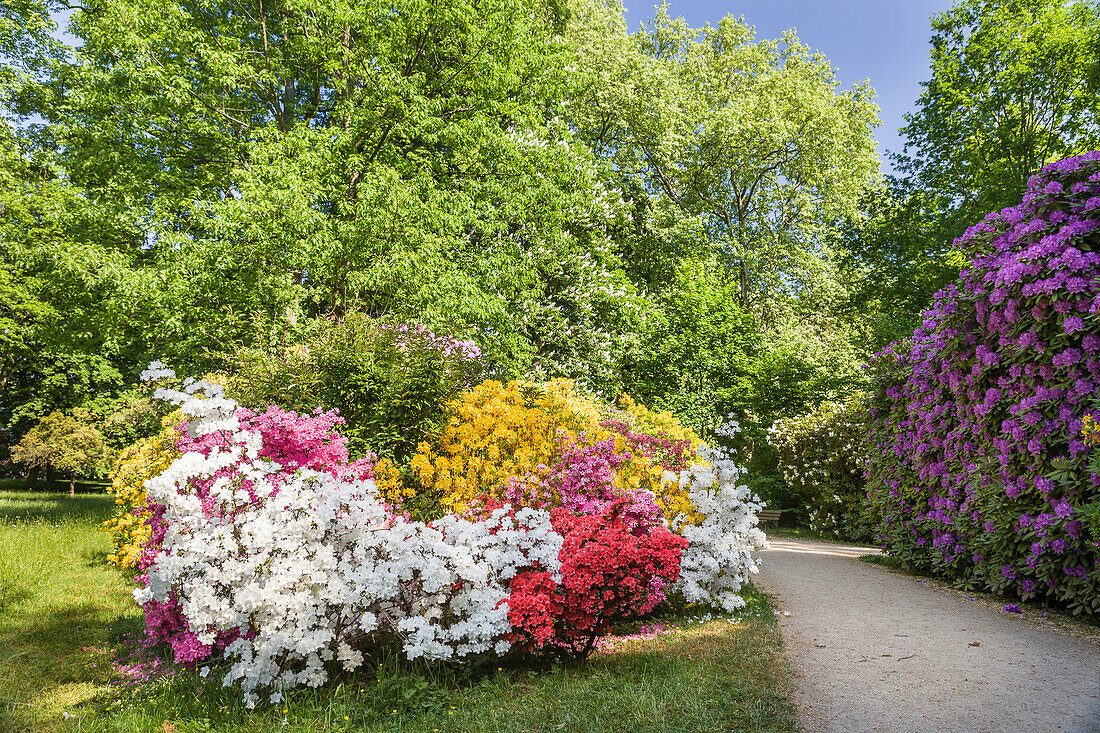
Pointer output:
59, 604
66, 609
57, 485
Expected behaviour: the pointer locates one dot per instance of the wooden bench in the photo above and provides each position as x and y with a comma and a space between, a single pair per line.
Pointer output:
767, 516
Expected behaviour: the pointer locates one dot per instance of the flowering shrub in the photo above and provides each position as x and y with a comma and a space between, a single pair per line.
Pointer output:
609, 571
273, 557
821, 456
585, 480
978, 465
389, 382
280, 567
496, 431
717, 562
516, 434
137, 464
651, 423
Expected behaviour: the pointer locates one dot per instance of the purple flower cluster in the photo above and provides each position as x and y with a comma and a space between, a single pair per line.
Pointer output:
978, 468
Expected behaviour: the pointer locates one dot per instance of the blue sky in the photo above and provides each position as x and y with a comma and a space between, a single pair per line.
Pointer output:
885, 41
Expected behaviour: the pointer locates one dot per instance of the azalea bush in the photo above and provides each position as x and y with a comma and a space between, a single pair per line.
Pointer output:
273, 559
609, 571
821, 457
137, 463
978, 464
495, 431
499, 436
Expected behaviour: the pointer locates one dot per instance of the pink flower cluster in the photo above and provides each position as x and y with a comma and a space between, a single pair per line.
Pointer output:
581, 480
448, 346
668, 453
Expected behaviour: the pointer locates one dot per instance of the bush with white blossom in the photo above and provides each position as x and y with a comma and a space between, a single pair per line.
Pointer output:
822, 457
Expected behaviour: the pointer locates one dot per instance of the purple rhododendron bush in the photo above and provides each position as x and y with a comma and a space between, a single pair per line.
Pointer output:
274, 562
978, 467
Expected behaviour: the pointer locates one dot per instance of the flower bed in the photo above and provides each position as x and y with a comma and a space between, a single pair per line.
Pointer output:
978, 465
273, 557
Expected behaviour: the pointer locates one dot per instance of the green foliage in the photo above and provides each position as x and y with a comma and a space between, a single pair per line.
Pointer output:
128, 418
898, 257
63, 335
389, 382
526, 174
330, 155
821, 456
746, 144
1014, 86
700, 348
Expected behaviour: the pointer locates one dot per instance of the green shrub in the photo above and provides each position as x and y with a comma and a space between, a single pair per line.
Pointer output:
66, 443
388, 381
821, 456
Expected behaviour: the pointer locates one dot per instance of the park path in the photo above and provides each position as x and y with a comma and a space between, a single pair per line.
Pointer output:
876, 650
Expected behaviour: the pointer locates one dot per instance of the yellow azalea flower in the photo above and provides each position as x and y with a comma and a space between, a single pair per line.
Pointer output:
137, 464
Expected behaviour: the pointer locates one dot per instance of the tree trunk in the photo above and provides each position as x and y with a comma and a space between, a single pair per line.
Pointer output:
72, 485
32, 477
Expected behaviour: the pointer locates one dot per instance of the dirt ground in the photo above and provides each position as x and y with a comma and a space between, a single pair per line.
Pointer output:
877, 650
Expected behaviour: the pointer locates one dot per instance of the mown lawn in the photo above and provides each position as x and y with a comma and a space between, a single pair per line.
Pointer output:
64, 614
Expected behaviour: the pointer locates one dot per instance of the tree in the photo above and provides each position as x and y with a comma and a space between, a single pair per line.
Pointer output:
64, 334
749, 143
289, 160
1015, 84
64, 443
896, 258
700, 350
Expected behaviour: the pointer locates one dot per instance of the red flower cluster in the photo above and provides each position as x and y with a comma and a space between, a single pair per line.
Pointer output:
608, 574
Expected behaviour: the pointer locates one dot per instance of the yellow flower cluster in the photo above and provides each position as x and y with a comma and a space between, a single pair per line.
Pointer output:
387, 477
1090, 430
500, 430
137, 464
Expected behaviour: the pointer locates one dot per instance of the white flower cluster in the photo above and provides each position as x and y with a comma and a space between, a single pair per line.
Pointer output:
156, 370
821, 455
717, 561
317, 564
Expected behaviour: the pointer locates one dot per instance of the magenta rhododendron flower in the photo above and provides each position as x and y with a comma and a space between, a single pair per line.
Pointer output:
976, 432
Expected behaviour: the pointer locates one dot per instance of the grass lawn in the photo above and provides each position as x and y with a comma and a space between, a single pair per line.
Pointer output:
64, 612
57, 485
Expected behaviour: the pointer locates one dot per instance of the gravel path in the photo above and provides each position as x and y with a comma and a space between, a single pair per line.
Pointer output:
877, 650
